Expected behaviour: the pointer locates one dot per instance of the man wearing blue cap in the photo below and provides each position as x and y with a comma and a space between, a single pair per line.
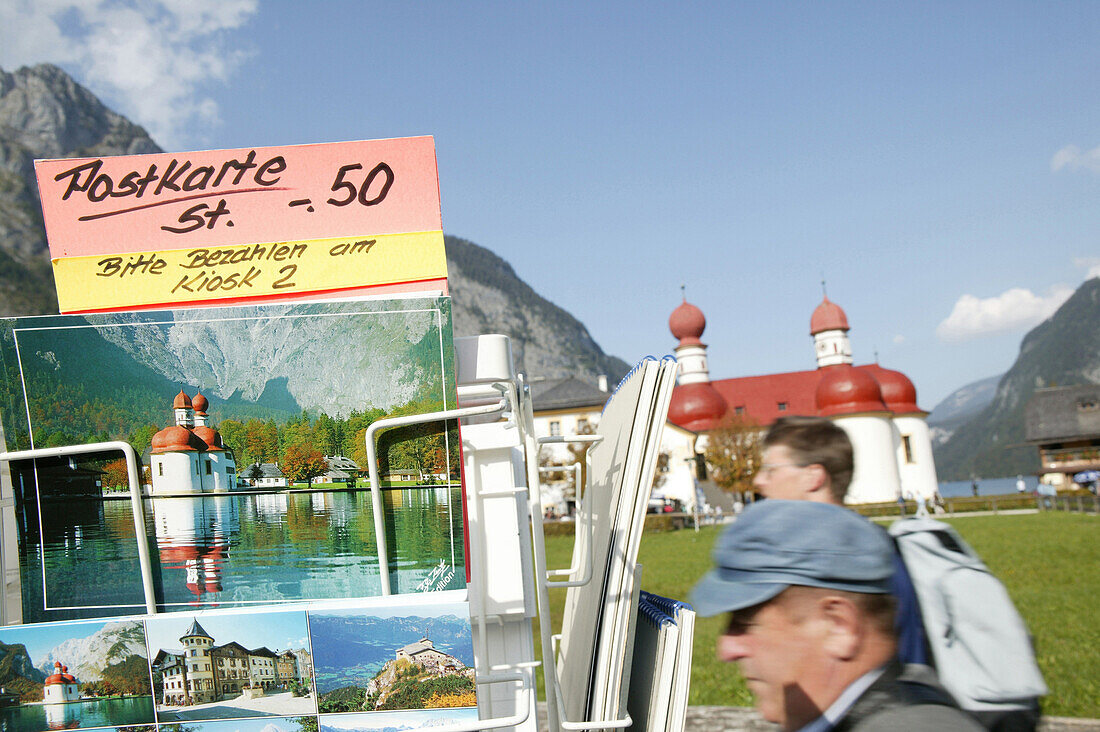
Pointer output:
807, 587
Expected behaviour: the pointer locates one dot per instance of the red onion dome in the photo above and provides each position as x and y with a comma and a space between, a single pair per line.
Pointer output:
897, 390
828, 316
696, 407
687, 323
176, 439
182, 401
66, 675
200, 403
847, 390
210, 436
57, 677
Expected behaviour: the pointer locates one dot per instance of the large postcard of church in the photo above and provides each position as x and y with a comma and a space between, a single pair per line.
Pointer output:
250, 423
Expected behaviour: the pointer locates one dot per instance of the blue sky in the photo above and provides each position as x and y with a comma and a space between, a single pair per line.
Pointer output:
277, 631
41, 639
937, 163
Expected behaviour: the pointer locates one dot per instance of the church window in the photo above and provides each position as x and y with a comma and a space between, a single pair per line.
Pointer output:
160, 467
738, 410
208, 468
782, 406
907, 444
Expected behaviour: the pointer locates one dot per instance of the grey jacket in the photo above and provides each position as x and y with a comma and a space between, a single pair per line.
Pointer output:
906, 698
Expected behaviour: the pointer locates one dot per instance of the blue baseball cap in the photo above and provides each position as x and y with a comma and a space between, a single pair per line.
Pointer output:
774, 544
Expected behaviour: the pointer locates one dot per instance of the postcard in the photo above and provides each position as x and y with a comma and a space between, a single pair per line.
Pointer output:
223, 666
74, 675
391, 658
251, 425
397, 721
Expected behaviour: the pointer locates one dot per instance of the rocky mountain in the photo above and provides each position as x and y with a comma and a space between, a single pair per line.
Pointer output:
87, 658
45, 114
1061, 351
958, 407
18, 674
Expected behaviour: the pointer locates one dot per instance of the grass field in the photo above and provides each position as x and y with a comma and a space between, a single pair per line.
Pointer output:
1050, 563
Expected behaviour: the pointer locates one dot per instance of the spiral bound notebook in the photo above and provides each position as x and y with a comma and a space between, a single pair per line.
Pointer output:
661, 667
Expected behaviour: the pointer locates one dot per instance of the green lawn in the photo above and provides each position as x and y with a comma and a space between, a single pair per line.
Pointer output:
1050, 563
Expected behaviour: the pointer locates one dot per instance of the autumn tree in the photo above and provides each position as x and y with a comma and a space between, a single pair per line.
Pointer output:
303, 463
734, 453
115, 474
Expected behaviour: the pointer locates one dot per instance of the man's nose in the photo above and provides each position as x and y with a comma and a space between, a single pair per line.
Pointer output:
731, 647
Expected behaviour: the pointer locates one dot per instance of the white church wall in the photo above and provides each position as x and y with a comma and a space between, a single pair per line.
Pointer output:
875, 479
175, 472
917, 469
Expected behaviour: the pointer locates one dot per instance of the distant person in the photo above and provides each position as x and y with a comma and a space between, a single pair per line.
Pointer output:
1021, 486
901, 505
974, 487
807, 588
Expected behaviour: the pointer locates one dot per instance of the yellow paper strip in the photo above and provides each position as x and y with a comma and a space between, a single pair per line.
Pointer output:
245, 271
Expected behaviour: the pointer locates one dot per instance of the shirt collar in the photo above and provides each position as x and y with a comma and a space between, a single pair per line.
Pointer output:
844, 702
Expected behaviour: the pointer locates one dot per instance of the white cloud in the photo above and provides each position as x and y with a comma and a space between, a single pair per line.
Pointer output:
899, 339
153, 58
1015, 309
1072, 157
1090, 264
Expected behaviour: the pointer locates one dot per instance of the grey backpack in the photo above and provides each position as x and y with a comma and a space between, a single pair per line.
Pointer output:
981, 647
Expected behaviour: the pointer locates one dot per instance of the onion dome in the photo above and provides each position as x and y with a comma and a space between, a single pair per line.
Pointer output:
210, 437
828, 316
696, 407
58, 676
176, 439
200, 403
847, 390
898, 391
66, 675
182, 401
687, 323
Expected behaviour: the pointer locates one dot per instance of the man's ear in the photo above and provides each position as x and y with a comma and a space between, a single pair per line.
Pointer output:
844, 632
818, 478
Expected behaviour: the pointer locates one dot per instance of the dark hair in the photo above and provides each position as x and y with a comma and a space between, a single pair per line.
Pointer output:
816, 441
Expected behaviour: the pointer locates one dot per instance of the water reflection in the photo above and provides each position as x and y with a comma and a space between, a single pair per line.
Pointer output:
231, 550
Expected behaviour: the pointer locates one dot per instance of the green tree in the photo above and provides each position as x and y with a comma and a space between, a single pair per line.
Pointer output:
142, 437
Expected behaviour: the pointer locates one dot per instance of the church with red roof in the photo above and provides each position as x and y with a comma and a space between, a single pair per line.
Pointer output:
189, 456
876, 406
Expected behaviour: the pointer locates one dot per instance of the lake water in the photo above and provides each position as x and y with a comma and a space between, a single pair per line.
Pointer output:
230, 550
78, 715
986, 486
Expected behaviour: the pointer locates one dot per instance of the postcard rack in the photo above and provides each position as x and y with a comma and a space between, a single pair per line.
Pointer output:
504, 514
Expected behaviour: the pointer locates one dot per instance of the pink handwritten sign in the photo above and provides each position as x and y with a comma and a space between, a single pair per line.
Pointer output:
141, 203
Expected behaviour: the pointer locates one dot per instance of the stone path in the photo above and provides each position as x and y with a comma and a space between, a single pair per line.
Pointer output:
273, 705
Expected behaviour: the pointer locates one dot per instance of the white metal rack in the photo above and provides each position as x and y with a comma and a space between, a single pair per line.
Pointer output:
509, 579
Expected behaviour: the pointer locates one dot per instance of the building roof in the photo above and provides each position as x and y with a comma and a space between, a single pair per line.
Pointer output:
196, 631
1063, 413
230, 646
568, 393
267, 470
418, 647
263, 651
340, 466
760, 398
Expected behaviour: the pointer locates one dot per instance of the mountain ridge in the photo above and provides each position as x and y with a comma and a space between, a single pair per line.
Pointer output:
1063, 350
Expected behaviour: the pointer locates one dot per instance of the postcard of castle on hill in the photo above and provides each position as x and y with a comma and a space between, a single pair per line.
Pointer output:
251, 425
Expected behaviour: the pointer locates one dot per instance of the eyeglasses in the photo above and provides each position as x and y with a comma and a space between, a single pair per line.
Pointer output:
769, 468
